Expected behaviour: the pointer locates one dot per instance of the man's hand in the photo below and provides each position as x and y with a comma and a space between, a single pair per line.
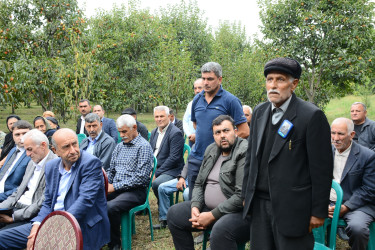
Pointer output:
205, 219
111, 189
343, 210
315, 222
181, 184
6, 219
192, 138
31, 237
194, 217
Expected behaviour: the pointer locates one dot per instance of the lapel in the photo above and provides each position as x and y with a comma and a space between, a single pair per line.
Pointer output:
279, 142
165, 137
55, 182
17, 163
74, 173
262, 120
154, 138
352, 158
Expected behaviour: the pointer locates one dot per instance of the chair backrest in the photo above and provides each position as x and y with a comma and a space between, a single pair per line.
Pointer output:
148, 136
105, 182
186, 147
80, 138
152, 176
336, 214
59, 230
119, 137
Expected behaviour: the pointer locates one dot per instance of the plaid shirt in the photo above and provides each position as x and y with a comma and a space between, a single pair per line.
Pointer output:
131, 164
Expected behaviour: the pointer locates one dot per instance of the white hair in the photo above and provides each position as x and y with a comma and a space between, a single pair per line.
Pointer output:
248, 107
162, 108
36, 136
349, 123
126, 120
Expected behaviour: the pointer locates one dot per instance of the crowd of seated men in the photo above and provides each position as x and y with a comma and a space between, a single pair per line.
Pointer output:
45, 168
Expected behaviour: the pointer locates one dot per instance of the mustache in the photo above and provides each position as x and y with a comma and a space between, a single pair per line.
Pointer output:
273, 91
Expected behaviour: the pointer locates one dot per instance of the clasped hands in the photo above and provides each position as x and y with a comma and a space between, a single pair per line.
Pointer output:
201, 220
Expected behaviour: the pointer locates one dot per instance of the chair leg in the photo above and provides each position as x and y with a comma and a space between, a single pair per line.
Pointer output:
133, 223
171, 198
371, 241
206, 234
177, 194
126, 231
150, 219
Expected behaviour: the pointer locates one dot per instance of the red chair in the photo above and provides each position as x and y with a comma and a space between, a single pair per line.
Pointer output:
59, 230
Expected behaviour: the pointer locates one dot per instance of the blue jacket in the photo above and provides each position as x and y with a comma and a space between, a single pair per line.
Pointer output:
85, 198
109, 127
15, 176
170, 158
357, 180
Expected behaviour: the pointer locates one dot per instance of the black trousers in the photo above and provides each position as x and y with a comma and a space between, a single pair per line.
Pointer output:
264, 234
119, 202
225, 233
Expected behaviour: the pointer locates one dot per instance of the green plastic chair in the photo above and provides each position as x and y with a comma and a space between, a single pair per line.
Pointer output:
206, 234
171, 196
128, 218
119, 137
148, 136
81, 137
319, 233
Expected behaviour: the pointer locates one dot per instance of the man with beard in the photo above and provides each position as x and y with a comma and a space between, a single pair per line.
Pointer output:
216, 201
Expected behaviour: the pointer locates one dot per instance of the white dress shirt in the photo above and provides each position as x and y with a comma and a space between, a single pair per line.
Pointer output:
160, 139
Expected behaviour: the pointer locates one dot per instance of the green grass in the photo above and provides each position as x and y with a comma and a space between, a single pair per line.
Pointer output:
162, 238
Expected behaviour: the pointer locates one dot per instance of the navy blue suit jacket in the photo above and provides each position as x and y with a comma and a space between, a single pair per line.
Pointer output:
357, 180
170, 158
109, 127
85, 198
15, 176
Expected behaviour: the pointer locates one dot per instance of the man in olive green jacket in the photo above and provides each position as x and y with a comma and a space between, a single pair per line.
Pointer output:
216, 201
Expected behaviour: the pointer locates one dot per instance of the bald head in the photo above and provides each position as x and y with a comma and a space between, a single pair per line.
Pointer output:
65, 142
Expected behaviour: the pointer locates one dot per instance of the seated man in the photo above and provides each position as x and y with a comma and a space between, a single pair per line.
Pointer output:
99, 143
354, 169
141, 128
12, 172
74, 183
165, 190
175, 121
216, 200
167, 142
109, 125
27, 200
128, 175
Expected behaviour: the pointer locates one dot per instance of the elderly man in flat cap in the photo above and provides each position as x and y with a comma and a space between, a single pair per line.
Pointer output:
289, 164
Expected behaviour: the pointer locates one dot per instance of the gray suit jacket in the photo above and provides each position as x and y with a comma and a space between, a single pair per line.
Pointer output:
28, 212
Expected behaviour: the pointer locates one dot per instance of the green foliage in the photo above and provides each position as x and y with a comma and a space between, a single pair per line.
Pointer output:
331, 39
242, 64
48, 59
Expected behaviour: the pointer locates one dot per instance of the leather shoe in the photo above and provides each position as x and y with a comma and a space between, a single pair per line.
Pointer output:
342, 234
163, 224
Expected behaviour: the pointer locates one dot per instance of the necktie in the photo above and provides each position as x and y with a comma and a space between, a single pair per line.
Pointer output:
277, 113
5, 168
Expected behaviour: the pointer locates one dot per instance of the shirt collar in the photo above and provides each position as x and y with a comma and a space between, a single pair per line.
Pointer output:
96, 138
39, 165
284, 106
345, 153
62, 169
20, 149
219, 93
164, 129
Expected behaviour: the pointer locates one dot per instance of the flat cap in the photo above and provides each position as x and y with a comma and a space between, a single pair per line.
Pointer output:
285, 65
